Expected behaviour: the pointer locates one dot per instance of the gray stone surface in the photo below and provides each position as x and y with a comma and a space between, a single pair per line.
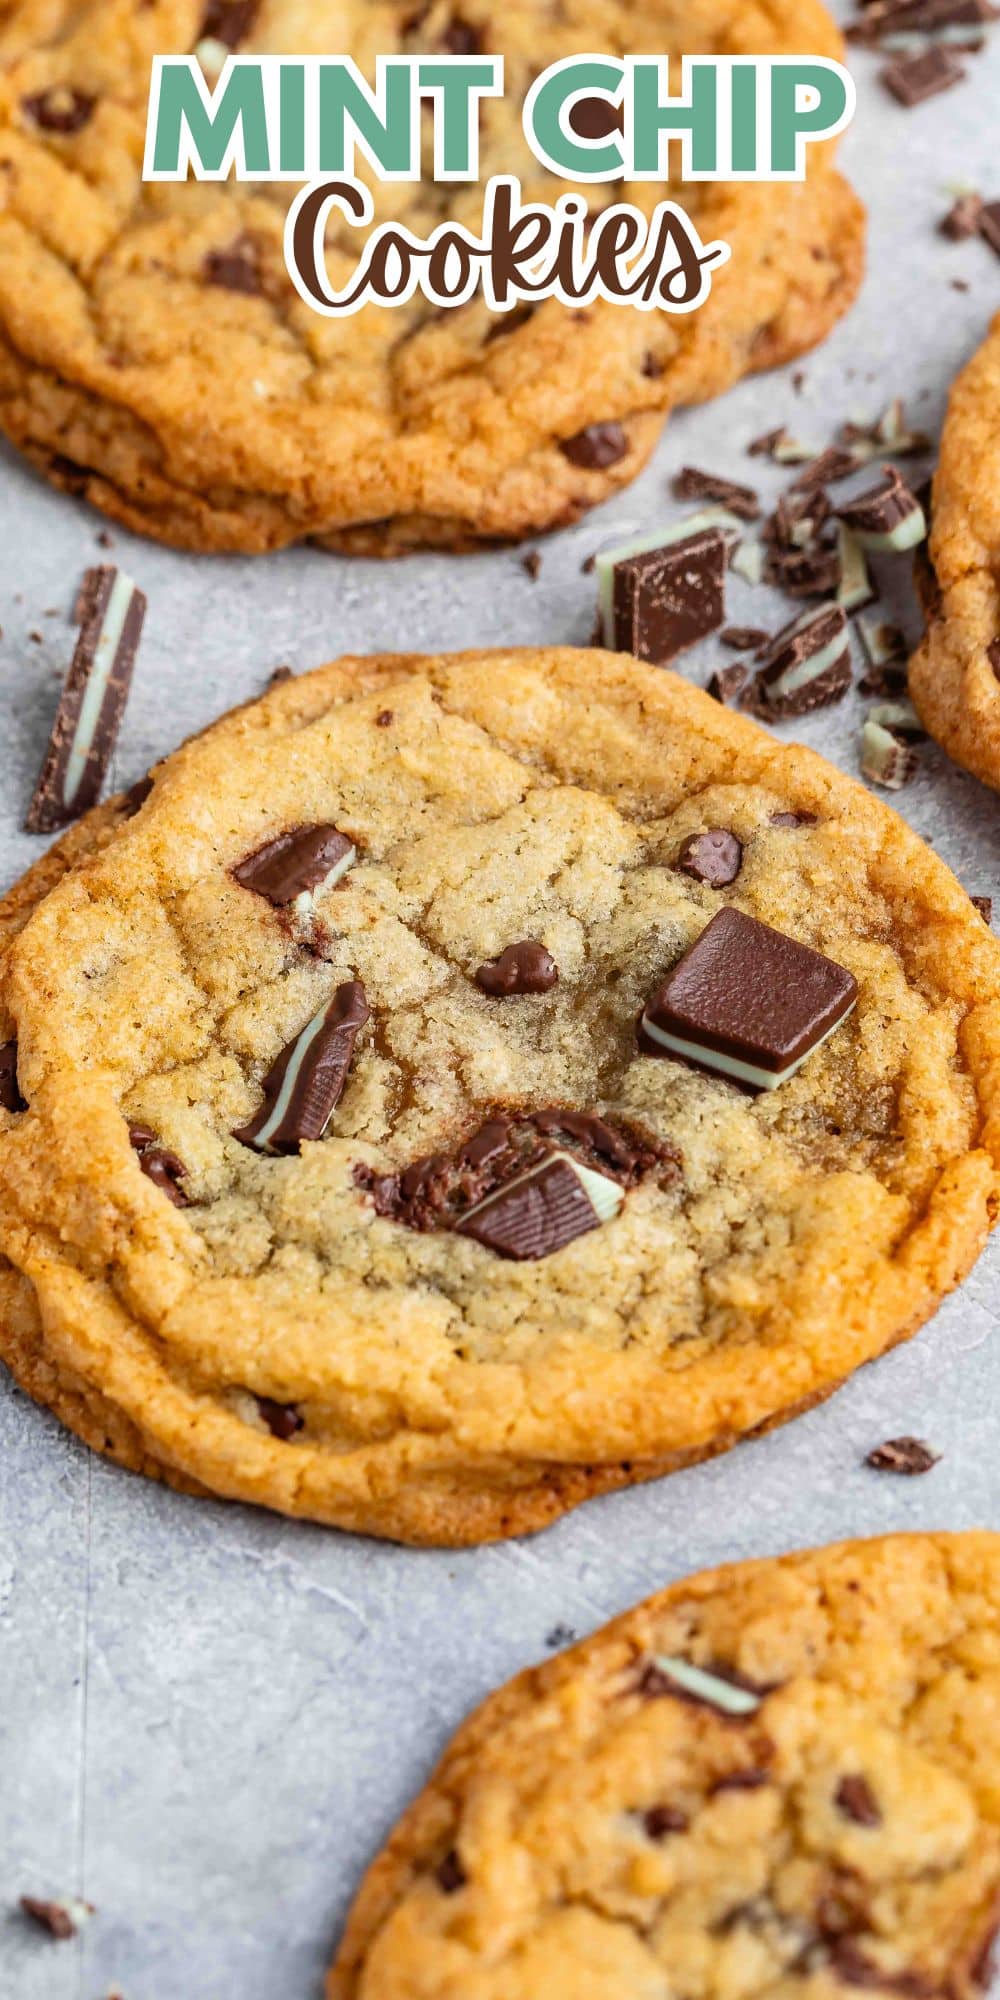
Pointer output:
209, 1717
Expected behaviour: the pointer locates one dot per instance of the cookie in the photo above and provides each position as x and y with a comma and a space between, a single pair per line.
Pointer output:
356, 1177
155, 357
779, 1777
955, 672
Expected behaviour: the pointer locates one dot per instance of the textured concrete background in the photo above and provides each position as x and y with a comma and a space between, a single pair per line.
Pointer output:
209, 1718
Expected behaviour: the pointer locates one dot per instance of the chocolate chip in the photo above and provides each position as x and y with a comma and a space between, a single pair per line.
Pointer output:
856, 1800
235, 268
450, 1874
595, 118
595, 447
296, 863
726, 683
10, 1095
159, 1165
743, 638
748, 1002
667, 599
713, 857
913, 79
749, 1779
460, 38
793, 819
92, 701
228, 21
906, 1455
522, 968
984, 904
283, 1420
660, 1821
304, 1086
693, 484
60, 109
383, 718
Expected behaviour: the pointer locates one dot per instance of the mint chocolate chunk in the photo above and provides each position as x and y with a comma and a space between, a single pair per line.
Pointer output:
303, 1088
92, 701
543, 1209
657, 601
888, 518
10, 1095
297, 863
747, 1002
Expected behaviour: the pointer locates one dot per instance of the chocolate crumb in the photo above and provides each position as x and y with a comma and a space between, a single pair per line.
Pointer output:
909, 1456
693, 484
962, 219
856, 1800
560, 1635
726, 683
283, 1420
744, 638
61, 1920
383, 718
450, 1874
531, 563
660, 1821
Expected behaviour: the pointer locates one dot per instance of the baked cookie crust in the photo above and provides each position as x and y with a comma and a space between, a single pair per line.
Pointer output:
445, 1394
592, 1831
955, 672
155, 357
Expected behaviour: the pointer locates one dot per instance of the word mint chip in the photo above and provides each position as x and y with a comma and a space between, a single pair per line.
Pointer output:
543, 1209
747, 1002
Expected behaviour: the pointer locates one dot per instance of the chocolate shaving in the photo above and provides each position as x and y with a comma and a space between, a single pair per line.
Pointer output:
693, 484
907, 1455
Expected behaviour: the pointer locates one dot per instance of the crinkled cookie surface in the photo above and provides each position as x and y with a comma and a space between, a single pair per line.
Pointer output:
439, 1391
155, 356
590, 1834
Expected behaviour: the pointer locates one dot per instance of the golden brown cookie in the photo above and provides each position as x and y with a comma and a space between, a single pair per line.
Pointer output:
155, 356
955, 673
416, 906
776, 1778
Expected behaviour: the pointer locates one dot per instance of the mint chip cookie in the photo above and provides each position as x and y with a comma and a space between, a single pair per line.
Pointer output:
457, 1086
955, 672
776, 1778
156, 357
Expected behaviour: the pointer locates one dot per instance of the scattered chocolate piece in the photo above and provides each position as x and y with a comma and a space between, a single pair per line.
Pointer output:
91, 704
595, 118
886, 518
744, 638
543, 1209
747, 1002
693, 484
522, 968
962, 219
913, 79
658, 599
722, 1689
10, 1095
798, 519
890, 433
235, 268
560, 1635
303, 1087
886, 758
596, 446
531, 563
907, 1455
902, 17
901, 718
807, 666
61, 1920
765, 445
989, 224
714, 857
59, 109
831, 465
297, 864
159, 1165
804, 572
856, 1800
726, 683
450, 1874
855, 589
883, 642
283, 1420
660, 1821
984, 904
228, 21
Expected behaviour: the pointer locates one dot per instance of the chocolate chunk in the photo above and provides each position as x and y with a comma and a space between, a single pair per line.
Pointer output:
595, 447
720, 1688
989, 224
798, 519
521, 968
856, 1800
888, 518
660, 1821
595, 118
743, 638
297, 863
793, 820
228, 21
159, 1165
283, 1420
748, 1002
831, 466
886, 757
807, 666
909, 1456
460, 38
984, 904
10, 1095
235, 268
913, 79
91, 704
726, 683
59, 109
304, 1086
383, 718
61, 1920
765, 445
993, 656
714, 857
962, 219
693, 484
450, 1874
663, 600
807, 572
905, 17
136, 796
542, 1210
